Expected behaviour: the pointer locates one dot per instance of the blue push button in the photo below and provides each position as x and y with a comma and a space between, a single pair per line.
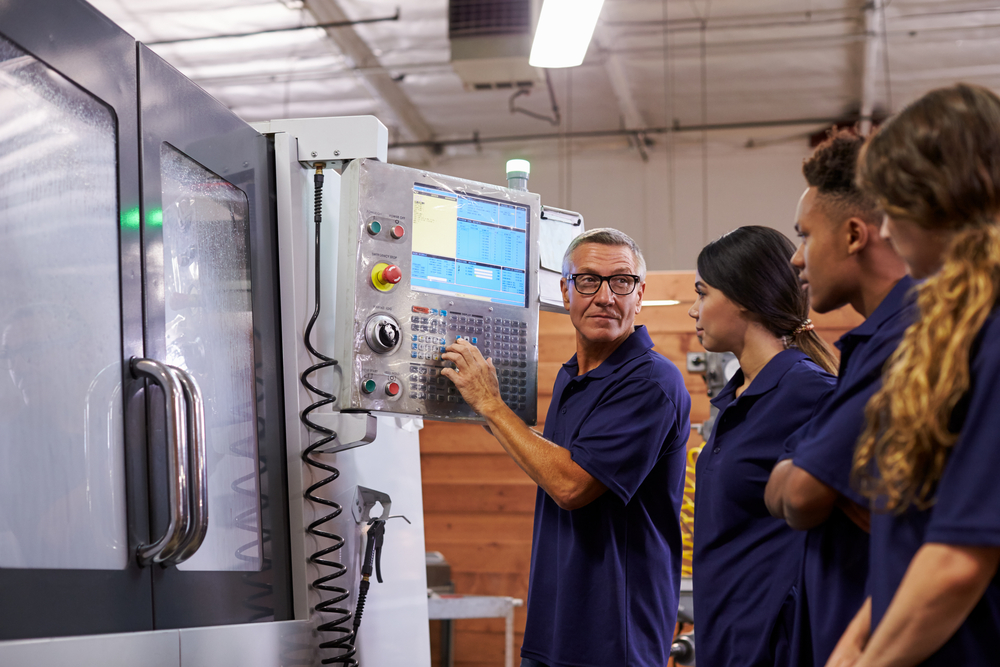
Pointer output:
473, 340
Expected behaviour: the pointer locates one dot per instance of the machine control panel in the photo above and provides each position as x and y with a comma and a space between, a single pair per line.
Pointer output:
438, 259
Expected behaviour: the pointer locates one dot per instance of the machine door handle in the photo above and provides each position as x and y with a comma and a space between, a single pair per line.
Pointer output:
178, 526
198, 469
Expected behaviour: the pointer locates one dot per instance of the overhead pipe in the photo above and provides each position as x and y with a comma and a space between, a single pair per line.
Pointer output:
437, 145
334, 24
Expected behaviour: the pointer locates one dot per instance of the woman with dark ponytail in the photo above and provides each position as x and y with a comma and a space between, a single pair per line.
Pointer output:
930, 456
746, 562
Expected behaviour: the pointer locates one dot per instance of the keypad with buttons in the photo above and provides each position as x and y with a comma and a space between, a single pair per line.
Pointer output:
505, 340
427, 383
513, 387
427, 333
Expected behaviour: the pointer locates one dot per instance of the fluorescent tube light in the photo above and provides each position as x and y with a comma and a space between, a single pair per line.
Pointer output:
563, 33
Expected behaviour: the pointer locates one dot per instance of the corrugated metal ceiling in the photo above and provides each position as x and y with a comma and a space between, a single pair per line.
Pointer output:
653, 64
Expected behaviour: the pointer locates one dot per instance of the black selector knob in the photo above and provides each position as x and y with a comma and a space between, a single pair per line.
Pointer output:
382, 333
388, 334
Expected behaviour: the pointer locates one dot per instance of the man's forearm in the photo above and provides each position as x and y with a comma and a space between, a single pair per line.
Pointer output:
941, 586
548, 464
796, 496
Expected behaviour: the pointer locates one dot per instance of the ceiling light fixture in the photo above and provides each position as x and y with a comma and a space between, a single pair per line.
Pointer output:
563, 33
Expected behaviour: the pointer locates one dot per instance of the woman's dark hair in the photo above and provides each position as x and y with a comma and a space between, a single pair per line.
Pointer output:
752, 267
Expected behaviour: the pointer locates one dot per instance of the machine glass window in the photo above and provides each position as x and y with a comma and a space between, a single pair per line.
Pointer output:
469, 246
62, 480
209, 333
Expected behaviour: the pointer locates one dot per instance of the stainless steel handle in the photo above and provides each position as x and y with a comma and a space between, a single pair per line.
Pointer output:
198, 469
178, 526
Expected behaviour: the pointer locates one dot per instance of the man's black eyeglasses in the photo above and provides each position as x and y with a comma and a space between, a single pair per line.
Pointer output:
589, 284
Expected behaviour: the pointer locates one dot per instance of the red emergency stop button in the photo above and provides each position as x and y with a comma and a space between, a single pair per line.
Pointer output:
392, 389
386, 276
397, 232
392, 274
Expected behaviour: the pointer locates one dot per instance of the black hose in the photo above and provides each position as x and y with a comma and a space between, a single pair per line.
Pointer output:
344, 641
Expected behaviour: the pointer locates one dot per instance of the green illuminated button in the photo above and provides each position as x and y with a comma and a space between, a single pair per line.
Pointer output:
368, 387
374, 227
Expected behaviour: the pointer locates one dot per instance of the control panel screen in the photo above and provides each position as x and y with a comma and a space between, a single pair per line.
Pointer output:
469, 246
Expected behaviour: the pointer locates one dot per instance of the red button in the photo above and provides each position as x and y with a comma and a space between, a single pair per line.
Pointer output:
397, 232
392, 388
392, 274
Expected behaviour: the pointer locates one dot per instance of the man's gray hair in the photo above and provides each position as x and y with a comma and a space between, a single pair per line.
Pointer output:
606, 236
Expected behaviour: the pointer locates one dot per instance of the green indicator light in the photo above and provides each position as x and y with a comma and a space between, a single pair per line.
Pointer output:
130, 219
374, 227
155, 218
368, 387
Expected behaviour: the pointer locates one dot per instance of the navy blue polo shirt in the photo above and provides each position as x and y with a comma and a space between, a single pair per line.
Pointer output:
605, 577
965, 512
835, 562
746, 562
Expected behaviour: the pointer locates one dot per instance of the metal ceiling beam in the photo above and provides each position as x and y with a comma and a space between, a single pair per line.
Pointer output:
874, 29
376, 78
632, 118
630, 113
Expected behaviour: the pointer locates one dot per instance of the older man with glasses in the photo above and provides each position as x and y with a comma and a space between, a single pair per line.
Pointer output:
606, 552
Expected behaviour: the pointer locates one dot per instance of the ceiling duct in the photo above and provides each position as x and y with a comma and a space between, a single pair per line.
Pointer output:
490, 43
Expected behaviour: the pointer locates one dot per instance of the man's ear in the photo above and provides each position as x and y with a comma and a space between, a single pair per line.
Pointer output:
640, 289
564, 286
859, 233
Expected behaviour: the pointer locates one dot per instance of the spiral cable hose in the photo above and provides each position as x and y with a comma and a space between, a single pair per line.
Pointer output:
344, 639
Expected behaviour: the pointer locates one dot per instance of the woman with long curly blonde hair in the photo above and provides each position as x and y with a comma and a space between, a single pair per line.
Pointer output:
930, 455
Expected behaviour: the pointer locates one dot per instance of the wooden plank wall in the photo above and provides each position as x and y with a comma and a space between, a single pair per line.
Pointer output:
478, 505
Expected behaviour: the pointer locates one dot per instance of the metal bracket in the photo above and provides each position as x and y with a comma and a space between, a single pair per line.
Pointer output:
333, 140
370, 432
364, 502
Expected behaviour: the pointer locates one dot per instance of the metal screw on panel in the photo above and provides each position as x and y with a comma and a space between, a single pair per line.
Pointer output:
336, 152
314, 154
491, 309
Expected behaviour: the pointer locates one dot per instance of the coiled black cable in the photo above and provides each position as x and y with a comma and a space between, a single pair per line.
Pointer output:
344, 641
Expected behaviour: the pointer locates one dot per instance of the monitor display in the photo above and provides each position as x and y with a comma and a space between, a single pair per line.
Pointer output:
469, 246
